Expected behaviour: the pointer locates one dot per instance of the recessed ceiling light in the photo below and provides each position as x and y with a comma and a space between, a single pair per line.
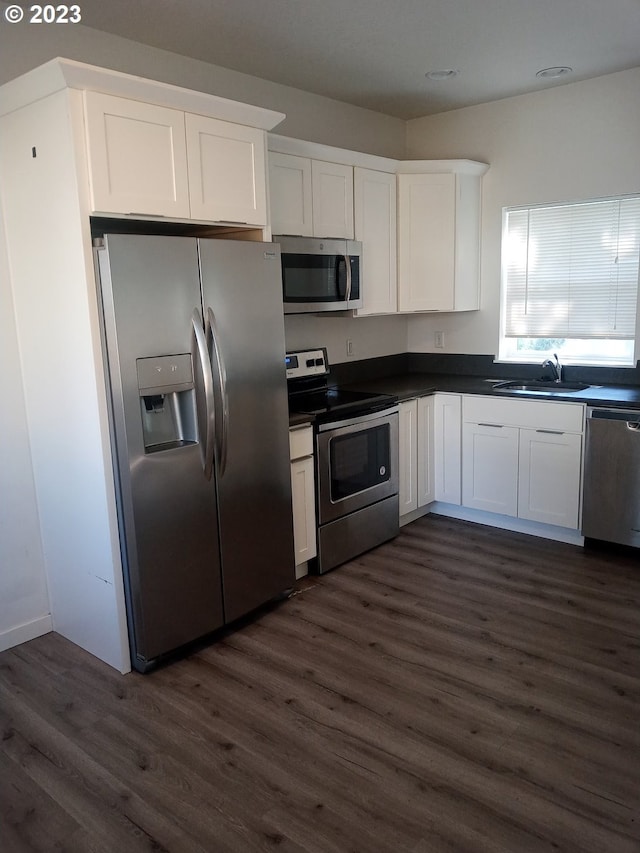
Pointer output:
554, 73
443, 74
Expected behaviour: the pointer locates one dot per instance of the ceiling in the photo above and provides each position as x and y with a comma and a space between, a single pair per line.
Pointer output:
375, 53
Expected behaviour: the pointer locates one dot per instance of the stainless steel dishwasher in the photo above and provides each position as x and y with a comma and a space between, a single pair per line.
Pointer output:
611, 501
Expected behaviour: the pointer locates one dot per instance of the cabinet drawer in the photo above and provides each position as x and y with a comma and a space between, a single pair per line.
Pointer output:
531, 414
300, 442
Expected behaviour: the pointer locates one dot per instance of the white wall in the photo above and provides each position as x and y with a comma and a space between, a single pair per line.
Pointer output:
370, 336
571, 142
25, 46
24, 602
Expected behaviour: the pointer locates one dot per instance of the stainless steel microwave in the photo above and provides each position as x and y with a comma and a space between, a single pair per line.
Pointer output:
320, 275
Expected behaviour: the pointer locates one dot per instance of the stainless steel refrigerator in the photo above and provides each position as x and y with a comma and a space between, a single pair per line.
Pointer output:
194, 344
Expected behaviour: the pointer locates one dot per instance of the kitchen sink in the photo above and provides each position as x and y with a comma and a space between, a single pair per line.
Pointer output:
540, 387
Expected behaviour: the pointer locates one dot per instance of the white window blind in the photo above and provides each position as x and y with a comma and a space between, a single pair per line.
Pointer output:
571, 271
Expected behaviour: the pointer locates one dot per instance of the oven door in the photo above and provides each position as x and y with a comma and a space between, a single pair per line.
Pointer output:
357, 463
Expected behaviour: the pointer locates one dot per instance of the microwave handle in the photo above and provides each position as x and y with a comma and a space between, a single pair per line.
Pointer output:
347, 261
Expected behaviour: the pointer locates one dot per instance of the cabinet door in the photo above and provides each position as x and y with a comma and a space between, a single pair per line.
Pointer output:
549, 483
137, 157
466, 295
408, 448
426, 242
374, 205
332, 196
447, 432
227, 171
490, 468
426, 488
290, 194
304, 513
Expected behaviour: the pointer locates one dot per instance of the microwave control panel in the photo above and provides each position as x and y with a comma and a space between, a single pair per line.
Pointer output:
308, 362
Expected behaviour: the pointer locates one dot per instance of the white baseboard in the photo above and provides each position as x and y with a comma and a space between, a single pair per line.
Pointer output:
506, 522
23, 633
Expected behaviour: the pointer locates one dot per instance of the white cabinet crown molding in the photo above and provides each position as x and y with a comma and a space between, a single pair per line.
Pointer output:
442, 167
60, 73
316, 151
329, 154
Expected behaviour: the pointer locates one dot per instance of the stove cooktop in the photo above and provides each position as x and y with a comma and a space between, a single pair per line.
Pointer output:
309, 394
328, 403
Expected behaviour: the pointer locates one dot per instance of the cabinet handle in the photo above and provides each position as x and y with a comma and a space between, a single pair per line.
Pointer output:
495, 426
551, 431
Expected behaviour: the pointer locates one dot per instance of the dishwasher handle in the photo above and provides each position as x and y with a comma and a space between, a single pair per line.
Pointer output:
630, 416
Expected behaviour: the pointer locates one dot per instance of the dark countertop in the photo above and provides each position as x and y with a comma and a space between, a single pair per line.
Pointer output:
299, 420
408, 385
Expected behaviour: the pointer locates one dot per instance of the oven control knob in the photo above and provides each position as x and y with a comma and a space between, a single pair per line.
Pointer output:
383, 470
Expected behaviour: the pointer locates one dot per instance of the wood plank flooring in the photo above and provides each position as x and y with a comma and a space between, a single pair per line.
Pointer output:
458, 689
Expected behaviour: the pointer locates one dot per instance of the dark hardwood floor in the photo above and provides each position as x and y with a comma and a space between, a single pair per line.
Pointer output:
458, 689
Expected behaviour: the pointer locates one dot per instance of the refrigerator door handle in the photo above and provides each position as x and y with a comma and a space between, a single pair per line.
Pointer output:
216, 353
206, 445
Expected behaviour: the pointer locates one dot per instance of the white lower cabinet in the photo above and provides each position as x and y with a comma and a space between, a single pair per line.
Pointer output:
425, 453
303, 496
416, 450
447, 439
549, 477
523, 458
490, 468
408, 456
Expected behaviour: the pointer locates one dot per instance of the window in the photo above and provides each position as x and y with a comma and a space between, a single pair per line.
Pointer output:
570, 281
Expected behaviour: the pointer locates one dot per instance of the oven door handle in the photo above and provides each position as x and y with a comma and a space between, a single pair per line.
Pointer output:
359, 419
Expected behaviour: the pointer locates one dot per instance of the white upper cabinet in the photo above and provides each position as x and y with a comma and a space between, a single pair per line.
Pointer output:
426, 248
332, 199
439, 235
137, 157
290, 194
310, 198
374, 200
156, 161
418, 220
227, 171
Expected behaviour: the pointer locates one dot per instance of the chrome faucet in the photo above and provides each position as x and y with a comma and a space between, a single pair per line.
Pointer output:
555, 366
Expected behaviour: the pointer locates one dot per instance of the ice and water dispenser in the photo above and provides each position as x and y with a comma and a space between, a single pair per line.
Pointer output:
167, 401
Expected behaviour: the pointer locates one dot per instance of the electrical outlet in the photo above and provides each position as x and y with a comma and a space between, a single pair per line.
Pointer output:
350, 349
438, 340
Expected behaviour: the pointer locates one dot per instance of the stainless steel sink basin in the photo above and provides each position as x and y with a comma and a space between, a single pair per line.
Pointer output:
540, 387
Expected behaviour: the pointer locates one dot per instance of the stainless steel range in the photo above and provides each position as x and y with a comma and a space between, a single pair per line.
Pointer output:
356, 459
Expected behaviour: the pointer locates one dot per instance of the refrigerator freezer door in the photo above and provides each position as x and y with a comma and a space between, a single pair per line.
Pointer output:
242, 288
169, 530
